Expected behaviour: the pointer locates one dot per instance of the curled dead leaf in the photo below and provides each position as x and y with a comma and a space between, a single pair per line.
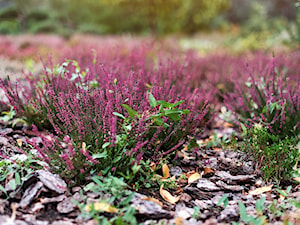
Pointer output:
101, 206
261, 190
167, 195
194, 177
208, 171
165, 171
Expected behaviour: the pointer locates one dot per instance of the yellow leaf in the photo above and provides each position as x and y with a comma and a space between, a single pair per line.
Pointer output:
167, 195
261, 190
101, 206
165, 171
194, 177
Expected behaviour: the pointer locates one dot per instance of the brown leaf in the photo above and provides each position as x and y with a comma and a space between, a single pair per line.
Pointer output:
165, 171
261, 190
227, 125
167, 195
208, 171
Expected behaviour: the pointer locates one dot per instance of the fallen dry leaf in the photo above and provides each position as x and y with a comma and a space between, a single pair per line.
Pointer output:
167, 195
226, 125
178, 221
208, 170
101, 206
194, 177
19, 142
261, 190
165, 171
153, 200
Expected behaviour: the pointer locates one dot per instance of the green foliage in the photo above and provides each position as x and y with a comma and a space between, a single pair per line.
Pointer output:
8, 117
260, 219
19, 169
223, 200
115, 194
259, 31
275, 157
294, 29
156, 16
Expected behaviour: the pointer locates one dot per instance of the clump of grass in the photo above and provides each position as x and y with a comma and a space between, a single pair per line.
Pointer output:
276, 157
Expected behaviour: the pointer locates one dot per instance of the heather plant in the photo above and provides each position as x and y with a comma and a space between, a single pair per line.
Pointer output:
271, 99
105, 124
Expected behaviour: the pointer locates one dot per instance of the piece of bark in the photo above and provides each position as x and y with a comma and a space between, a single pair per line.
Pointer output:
207, 185
52, 181
30, 193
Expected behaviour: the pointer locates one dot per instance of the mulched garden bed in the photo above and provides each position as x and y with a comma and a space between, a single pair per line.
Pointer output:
45, 199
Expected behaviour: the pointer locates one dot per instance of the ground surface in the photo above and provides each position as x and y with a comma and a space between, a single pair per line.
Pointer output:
44, 199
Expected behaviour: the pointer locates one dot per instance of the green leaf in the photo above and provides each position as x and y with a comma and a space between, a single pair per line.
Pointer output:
2, 189
18, 178
165, 104
172, 111
13, 184
186, 111
174, 117
178, 103
117, 159
158, 121
244, 128
18, 120
288, 189
243, 213
260, 205
132, 113
100, 155
119, 115
106, 144
152, 100
97, 180
223, 199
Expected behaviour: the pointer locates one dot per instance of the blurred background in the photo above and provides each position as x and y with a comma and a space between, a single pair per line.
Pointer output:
245, 21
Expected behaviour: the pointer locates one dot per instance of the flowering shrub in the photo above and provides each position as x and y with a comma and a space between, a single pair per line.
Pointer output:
108, 123
272, 99
268, 108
